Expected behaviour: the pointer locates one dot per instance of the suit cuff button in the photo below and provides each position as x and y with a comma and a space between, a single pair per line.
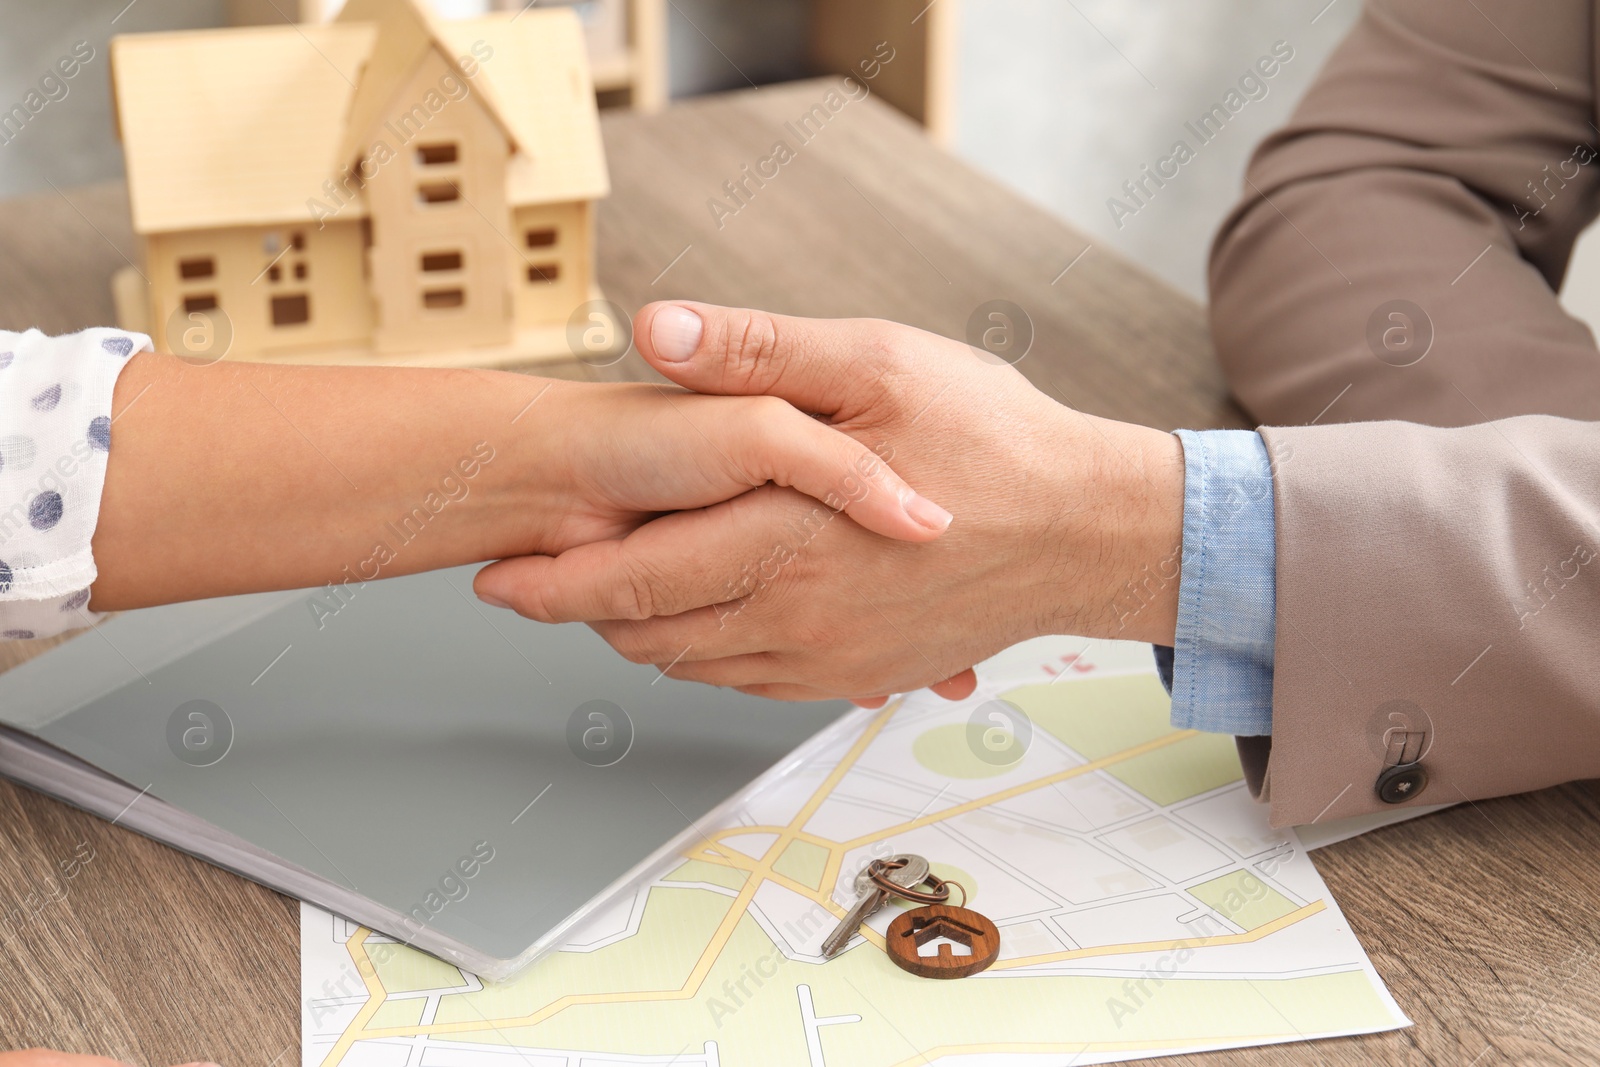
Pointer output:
1401, 783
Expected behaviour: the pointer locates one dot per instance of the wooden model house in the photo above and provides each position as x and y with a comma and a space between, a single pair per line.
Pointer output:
384, 188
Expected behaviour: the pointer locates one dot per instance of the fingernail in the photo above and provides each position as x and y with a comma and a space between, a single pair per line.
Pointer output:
493, 601
926, 513
675, 333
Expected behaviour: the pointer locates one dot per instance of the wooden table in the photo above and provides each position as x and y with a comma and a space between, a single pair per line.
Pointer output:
1478, 918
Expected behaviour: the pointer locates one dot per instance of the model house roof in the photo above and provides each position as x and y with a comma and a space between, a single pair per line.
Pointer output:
243, 127
407, 32
539, 85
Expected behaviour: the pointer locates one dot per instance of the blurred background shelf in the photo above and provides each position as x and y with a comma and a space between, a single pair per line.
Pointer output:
921, 80
631, 53
627, 38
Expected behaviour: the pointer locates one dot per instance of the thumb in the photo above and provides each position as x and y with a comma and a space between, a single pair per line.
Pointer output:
823, 366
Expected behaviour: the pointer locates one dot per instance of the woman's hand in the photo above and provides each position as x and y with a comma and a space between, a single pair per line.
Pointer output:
237, 478
1056, 512
610, 455
42, 1057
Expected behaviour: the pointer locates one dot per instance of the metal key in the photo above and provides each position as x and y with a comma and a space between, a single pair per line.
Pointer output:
869, 898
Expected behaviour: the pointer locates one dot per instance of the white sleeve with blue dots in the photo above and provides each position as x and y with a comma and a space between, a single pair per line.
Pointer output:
55, 434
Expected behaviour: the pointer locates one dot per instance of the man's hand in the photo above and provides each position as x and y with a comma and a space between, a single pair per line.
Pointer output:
771, 593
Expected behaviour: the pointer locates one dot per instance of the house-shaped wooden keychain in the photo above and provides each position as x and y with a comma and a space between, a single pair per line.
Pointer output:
385, 188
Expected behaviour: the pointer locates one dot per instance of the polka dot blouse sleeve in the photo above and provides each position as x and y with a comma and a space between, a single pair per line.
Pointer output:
55, 435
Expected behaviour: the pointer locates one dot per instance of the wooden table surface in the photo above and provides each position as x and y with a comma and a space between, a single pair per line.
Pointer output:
1479, 918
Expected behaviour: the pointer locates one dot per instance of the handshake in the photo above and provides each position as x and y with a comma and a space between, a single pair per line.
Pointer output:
794, 558
756, 527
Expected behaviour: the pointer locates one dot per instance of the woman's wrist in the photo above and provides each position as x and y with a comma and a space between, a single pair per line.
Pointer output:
530, 498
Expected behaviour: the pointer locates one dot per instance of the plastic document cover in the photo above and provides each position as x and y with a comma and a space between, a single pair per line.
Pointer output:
1145, 906
449, 772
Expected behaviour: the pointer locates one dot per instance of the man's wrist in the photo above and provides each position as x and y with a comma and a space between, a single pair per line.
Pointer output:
1113, 532
1145, 576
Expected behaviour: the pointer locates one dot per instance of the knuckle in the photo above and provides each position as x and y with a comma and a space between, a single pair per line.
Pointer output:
885, 343
532, 606
818, 637
637, 653
751, 349
686, 672
638, 595
631, 640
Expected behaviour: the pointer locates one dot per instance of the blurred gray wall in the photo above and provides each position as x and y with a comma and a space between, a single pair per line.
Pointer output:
71, 141
1067, 99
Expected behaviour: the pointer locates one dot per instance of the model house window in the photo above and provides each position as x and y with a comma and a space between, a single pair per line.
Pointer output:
199, 302
432, 155
300, 271
432, 261
438, 192
291, 310
200, 267
298, 242
274, 273
541, 238
544, 273
435, 299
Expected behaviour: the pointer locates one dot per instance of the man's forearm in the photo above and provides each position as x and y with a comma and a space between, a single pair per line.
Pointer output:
239, 477
1401, 262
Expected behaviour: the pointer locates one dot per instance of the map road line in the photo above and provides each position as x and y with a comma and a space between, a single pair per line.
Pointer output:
835, 860
1163, 946
376, 995
357, 1029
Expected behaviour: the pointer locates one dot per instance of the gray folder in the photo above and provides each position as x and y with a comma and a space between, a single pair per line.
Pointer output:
447, 773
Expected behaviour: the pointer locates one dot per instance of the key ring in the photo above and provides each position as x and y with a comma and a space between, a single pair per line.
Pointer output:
937, 893
879, 870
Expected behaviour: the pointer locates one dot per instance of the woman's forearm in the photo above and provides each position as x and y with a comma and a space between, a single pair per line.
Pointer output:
241, 477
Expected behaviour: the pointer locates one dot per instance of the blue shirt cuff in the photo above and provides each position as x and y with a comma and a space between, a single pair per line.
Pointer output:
1219, 669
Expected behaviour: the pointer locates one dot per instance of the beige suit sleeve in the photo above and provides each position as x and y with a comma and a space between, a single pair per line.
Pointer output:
1440, 160
1451, 576
1444, 577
